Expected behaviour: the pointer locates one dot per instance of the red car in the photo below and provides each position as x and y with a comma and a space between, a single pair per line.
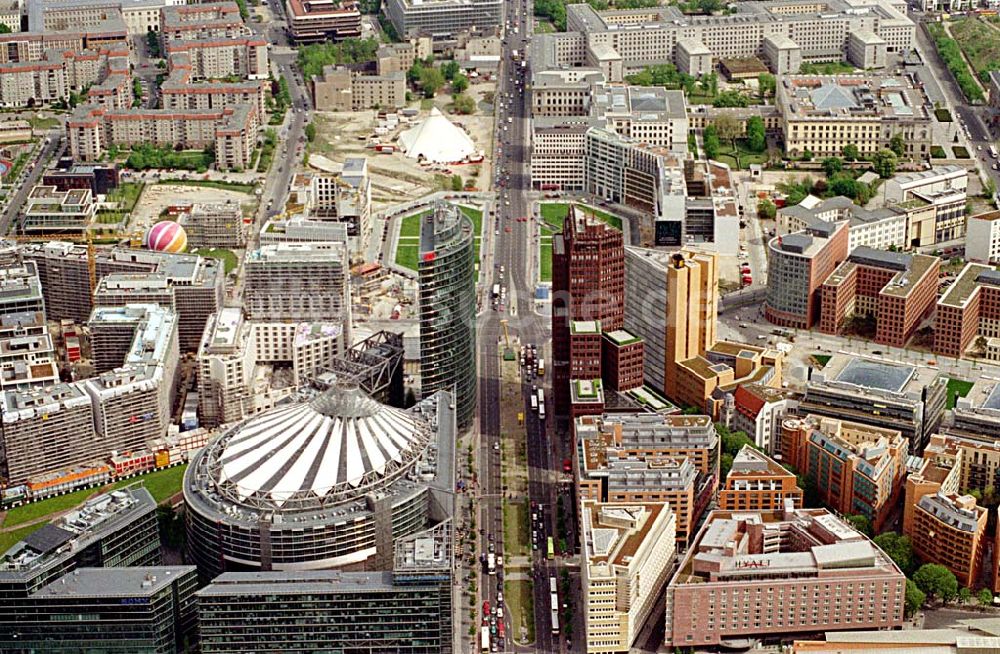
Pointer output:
486, 607
567, 465
507, 229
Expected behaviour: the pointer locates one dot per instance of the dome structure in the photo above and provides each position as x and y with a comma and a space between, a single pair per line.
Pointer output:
437, 140
339, 441
166, 236
325, 480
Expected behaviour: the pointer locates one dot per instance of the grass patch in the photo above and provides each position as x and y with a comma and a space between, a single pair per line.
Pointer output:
426, 104
239, 187
410, 225
821, 359
740, 156
125, 197
937, 152
406, 256
545, 260
980, 42
957, 388
520, 601
829, 68
943, 115
39, 123
161, 484
515, 528
553, 214
228, 258
960, 151
408, 245
476, 216
10, 538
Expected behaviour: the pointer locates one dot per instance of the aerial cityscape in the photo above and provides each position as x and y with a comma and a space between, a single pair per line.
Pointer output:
474, 326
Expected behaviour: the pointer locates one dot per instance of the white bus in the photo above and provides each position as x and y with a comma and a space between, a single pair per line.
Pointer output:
993, 151
534, 403
491, 563
552, 586
484, 639
541, 411
496, 290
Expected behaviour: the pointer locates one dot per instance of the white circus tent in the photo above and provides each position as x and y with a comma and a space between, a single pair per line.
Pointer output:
437, 140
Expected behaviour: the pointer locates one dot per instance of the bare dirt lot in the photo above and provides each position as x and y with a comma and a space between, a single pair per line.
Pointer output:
157, 197
395, 178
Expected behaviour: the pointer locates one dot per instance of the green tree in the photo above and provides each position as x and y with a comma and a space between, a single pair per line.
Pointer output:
807, 155
936, 581
456, 182
766, 85
464, 104
897, 144
861, 523
851, 152
727, 127
766, 209
985, 597
899, 549
964, 595
756, 136
989, 188
459, 83
710, 142
4, 29
449, 69
310, 132
731, 99
884, 163
914, 598
832, 166
431, 80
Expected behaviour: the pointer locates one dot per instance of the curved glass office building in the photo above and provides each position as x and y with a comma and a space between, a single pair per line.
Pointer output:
448, 308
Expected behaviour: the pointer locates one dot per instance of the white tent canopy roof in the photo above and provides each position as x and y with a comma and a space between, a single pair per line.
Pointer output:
437, 140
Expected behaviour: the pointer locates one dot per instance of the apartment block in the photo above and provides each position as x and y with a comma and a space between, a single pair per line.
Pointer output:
887, 395
627, 550
649, 458
312, 21
442, 19
968, 310
342, 89
214, 225
113, 530
207, 20
20, 287
758, 410
179, 92
798, 264
758, 574
823, 114
27, 353
857, 469
196, 284
756, 482
244, 56
231, 130
898, 290
300, 282
982, 241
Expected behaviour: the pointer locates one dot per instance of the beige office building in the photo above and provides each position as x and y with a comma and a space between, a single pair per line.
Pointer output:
340, 89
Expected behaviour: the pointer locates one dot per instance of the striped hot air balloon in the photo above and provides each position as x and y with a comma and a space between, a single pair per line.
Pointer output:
166, 236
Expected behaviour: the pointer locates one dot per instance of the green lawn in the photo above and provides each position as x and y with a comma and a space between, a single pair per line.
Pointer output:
125, 196
162, 484
521, 605
545, 259
239, 187
10, 538
228, 257
960, 152
407, 253
830, 68
937, 152
411, 224
515, 529
42, 124
554, 213
979, 41
943, 115
821, 359
741, 156
408, 245
957, 388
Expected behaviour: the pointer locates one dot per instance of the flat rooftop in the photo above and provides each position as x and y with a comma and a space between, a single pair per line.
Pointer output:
114, 582
869, 373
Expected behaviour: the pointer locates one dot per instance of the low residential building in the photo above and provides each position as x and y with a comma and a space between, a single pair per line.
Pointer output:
798, 264
899, 291
982, 241
968, 311
627, 550
821, 115
442, 19
758, 410
214, 225
756, 482
49, 211
342, 89
757, 574
311, 21
649, 458
857, 469
888, 395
